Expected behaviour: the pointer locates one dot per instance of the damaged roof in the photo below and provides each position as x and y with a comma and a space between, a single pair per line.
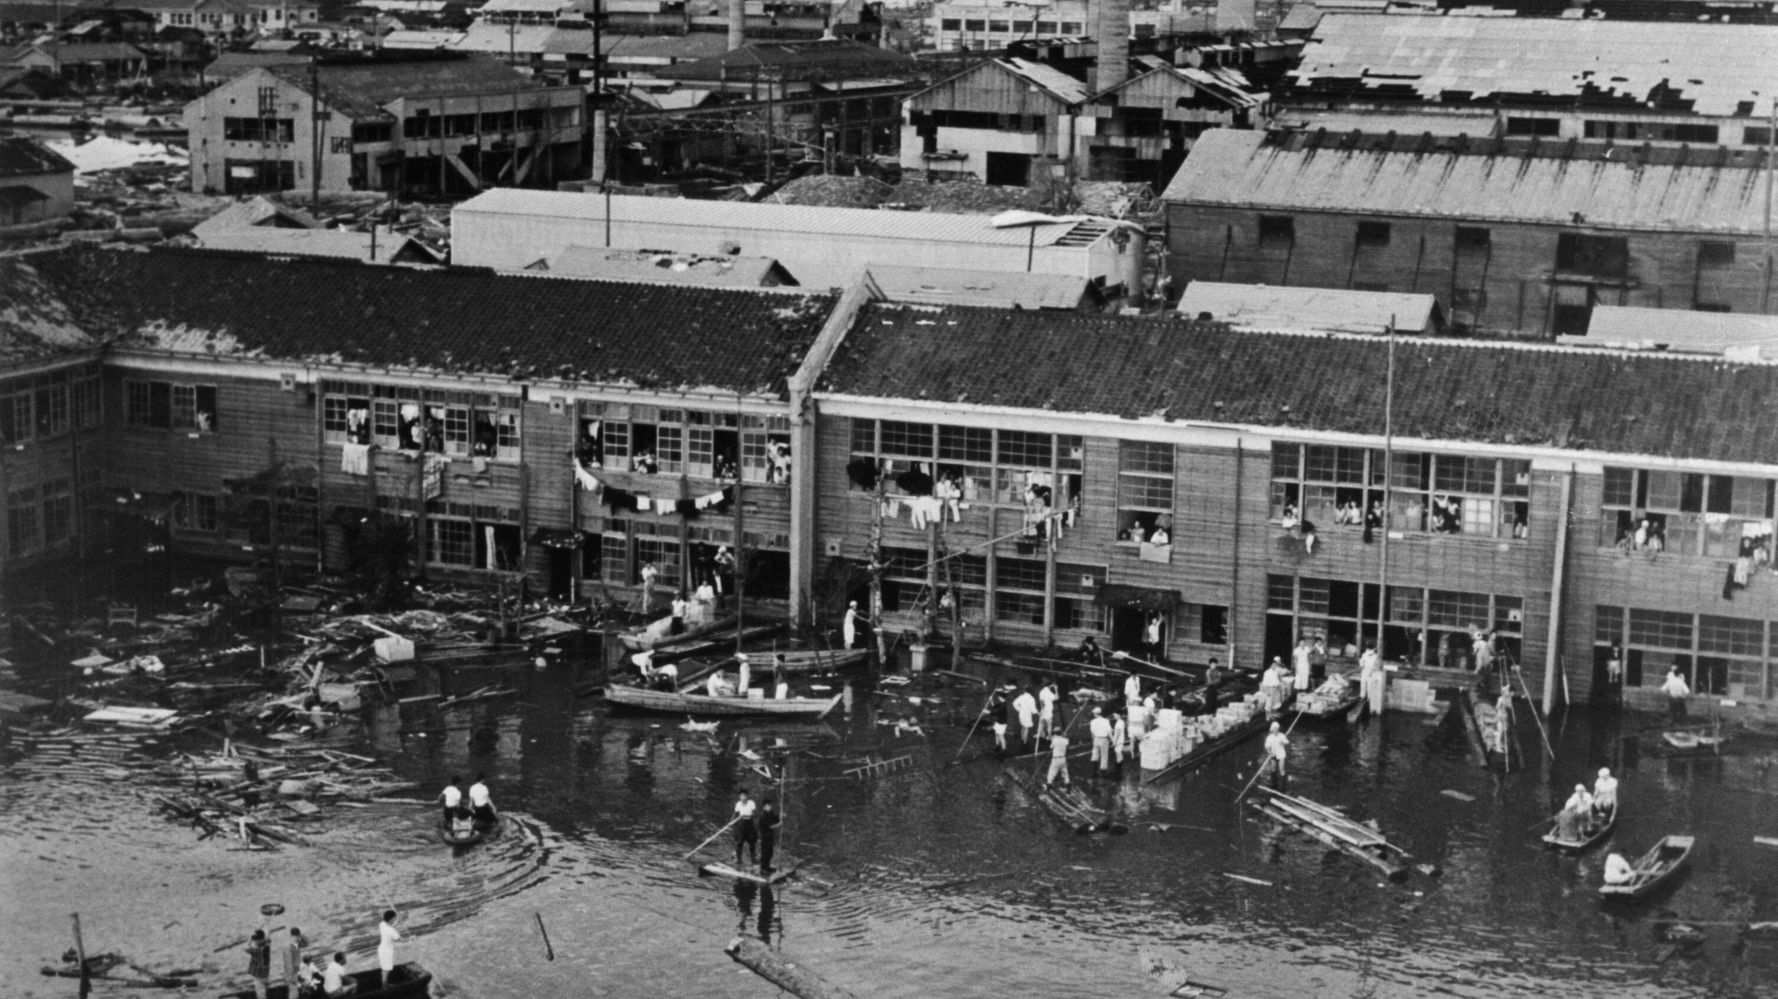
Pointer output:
459, 321
1551, 182
364, 88
1177, 369
25, 157
1700, 67
37, 322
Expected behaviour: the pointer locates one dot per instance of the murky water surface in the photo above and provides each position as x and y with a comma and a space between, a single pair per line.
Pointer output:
938, 879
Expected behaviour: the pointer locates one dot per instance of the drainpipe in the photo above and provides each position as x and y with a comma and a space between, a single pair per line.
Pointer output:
1552, 660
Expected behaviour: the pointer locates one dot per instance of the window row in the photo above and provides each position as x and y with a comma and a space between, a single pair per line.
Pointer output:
1042, 28
170, 406
1324, 485
652, 440
39, 517
466, 424
1000, 467
36, 407
1718, 516
1421, 626
1716, 654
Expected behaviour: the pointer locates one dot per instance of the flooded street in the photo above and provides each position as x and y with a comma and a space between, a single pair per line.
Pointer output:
934, 879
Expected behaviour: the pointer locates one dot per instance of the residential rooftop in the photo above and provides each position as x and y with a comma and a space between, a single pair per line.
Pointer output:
1181, 370
25, 157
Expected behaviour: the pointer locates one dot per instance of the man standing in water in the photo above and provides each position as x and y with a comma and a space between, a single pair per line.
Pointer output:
1058, 760
452, 796
768, 820
293, 959
1100, 727
746, 832
387, 934
1026, 706
259, 963
480, 801
1277, 751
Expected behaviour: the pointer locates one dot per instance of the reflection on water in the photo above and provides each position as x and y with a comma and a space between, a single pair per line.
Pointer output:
934, 877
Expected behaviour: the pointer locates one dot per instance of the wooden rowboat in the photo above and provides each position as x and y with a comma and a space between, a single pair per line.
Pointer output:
1591, 836
1656, 867
807, 660
411, 980
1693, 742
476, 832
658, 634
703, 704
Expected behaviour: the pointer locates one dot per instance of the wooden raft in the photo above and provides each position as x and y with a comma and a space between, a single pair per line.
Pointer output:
1331, 828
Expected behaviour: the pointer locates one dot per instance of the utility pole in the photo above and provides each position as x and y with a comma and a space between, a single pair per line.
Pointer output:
315, 120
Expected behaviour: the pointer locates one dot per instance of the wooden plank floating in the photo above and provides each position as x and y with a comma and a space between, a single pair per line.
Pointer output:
720, 870
1459, 795
1332, 829
787, 974
1766, 840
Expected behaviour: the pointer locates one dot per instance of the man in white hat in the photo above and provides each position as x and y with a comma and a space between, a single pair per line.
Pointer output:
849, 627
1100, 726
1277, 750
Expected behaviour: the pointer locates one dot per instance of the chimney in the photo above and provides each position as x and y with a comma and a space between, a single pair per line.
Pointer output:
737, 24
1112, 31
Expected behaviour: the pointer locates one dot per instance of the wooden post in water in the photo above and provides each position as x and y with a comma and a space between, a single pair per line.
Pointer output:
788, 975
86, 982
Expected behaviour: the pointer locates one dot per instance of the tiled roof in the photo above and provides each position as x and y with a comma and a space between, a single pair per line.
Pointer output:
1508, 180
22, 157
1706, 68
458, 321
36, 322
1494, 393
821, 59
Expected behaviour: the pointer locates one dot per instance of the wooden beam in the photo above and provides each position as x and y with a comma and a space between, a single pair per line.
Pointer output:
788, 975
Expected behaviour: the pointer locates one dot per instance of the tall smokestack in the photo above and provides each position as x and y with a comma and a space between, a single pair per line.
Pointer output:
737, 24
1112, 31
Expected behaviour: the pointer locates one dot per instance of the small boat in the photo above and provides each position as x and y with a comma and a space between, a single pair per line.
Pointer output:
703, 704
1654, 869
1693, 742
659, 634
1332, 699
476, 832
806, 660
1591, 836
410, 980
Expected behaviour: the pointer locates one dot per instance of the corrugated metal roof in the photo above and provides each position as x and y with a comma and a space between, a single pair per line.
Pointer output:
1453, 390
1274, 308
504, 38
995, 289
1060, 85
666, 268
1501, 180
341, 244
930, 227
1713, 67
1733, 334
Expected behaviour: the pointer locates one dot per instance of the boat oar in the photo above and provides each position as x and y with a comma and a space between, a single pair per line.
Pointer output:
1121, 655
712, 838
972, 728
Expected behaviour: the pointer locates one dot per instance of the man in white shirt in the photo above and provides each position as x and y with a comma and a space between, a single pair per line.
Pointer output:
480, 801
1371, 679
452, 797
334, 983
1046, 709
1132, 690
1618, 870
1026, 706
849, 626
1277, 750
387, 934
746, 832
1100, 727
1120, 737
1677, 691
1604, 792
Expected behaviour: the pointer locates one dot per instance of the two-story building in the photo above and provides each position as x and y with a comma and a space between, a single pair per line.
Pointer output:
435, 122
513, 424
36, 182
1510, 234
1066, 475
1002, 121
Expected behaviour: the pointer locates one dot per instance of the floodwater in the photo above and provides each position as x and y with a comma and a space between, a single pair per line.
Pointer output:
938, 878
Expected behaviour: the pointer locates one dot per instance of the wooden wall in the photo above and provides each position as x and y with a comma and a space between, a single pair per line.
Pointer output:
1217, 243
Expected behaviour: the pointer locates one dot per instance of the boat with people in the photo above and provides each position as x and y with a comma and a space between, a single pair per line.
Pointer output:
1653, 869
1202, 738
679, 703
807, 660
1067, 803
1336, 696
1583, 837
468, 834
659, 634
411, 979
